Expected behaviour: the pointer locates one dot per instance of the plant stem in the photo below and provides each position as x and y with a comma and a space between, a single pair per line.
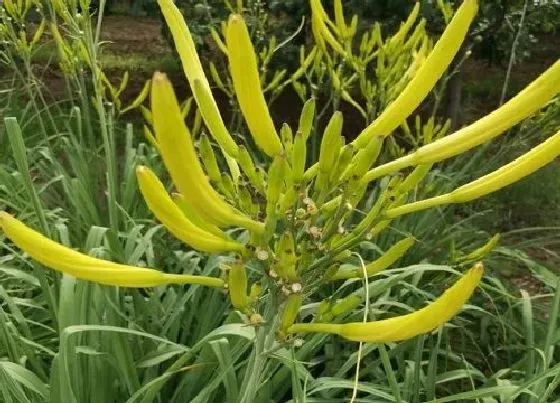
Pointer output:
107, 129
513, 53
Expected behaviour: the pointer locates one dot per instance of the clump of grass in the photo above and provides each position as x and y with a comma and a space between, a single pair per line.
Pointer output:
64, 339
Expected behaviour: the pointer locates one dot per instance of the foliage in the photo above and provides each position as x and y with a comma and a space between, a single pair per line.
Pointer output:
64, 339
532, 202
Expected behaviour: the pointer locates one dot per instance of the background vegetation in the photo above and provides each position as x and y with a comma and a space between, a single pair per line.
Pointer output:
68, 147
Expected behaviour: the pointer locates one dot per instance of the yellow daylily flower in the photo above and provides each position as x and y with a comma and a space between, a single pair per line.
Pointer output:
425, 78
171, 216
523, 166
84, 267
524, 104
194, 72
321, 19
405, 326
245, 75
180, 157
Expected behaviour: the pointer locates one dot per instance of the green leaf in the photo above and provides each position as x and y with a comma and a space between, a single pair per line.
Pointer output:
26, 378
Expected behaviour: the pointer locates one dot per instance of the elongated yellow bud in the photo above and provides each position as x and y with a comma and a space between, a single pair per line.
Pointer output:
340, 307
319, 40
331, 143
212, 118
414, 178
287, 138
332, 204
179, 155
299, 150
310, 173
393, 254
193, 71
330, 150
339, 18
274, 84
233, 168
346, 305
150, 136
364, 159
246, 201
305, 63
320, 20
171, 216
218, 40
226, 183
353, 28
38, 33
245, 75
374, 212
275, 183
209, 159
480, 253
139, 100
405, 326
247, 165
286, 255
525, 165
306, 118
299, 157
528, 101
425, 78
291, 310
405, 27
237, 284
217, 78
84, 267
344, 160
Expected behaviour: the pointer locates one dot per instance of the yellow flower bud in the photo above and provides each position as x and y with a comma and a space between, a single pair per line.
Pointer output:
237, 284
525, 165
193, 71
291, 310
426, 77
245, 75
393, 254
84, 267
405, 326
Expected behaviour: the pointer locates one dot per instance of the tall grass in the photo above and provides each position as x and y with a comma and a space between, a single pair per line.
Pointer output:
69, 171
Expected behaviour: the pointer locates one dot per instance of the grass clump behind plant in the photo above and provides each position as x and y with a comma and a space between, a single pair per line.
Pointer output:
280, 238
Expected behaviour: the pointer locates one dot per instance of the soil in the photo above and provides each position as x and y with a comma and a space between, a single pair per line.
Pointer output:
128, 35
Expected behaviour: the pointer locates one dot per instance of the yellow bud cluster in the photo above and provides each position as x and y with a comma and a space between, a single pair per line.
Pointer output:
297, 220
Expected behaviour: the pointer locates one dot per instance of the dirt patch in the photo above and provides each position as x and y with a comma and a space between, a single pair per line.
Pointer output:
132, 35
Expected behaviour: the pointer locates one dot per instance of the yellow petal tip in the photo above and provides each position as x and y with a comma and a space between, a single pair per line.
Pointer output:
235, 18
477, 270
159, 77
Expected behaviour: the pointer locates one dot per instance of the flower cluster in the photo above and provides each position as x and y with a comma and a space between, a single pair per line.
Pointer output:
300, 218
